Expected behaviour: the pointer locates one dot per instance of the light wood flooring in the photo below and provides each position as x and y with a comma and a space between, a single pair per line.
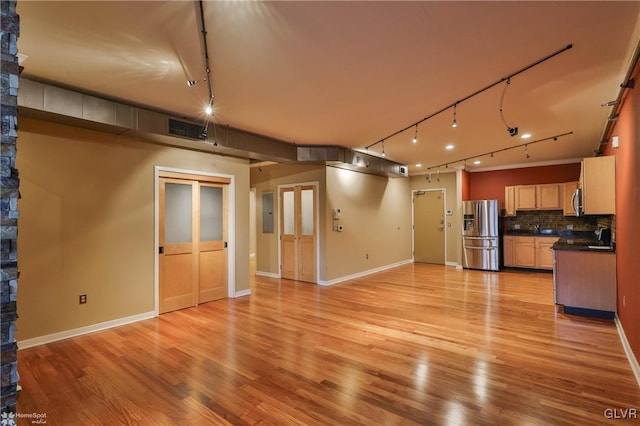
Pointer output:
419, 344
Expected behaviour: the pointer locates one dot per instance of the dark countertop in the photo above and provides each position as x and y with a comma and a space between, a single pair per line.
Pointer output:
568, 239
584, 244
564, 233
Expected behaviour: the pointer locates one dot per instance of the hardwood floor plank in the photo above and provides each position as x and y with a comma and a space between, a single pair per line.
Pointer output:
419, 344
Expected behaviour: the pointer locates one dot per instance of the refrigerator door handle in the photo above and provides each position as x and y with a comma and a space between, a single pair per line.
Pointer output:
480, 248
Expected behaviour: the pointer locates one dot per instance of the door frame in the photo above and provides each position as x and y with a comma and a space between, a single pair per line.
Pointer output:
316, 203
231, 232
413, 221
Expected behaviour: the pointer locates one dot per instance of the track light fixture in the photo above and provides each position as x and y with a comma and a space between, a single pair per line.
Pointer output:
454, 124
191, 83
513, 131
209, 108
492, 153
415, 136
429, 176
383, 153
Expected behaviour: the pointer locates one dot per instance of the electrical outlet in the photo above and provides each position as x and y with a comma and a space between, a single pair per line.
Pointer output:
570, 227
517, 226
82, 299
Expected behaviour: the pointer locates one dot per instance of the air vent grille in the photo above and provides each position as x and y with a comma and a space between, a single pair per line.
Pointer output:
185, 129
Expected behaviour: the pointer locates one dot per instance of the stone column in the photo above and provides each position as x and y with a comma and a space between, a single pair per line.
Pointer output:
9, 184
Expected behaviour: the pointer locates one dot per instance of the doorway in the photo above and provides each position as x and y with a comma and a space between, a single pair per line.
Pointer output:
192, 226
298, 233
429, 226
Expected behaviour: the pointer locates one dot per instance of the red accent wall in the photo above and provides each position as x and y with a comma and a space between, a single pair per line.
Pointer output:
466, 186
627, 213
490, 185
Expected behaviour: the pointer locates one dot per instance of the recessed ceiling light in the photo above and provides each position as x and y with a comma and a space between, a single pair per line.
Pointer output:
476, 162
449, 147
419, 165
526, 136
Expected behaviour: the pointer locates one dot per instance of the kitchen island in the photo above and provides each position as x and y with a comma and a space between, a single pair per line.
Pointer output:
584, 277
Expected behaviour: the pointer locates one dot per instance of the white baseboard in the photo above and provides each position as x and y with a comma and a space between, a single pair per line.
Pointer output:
267, 274
447, 263
54, 337
633, 361
363, 273
242, 293
459, 267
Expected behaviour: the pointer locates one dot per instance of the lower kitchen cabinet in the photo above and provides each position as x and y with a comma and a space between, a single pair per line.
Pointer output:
524, 254
586, 279
544, 254
528, 252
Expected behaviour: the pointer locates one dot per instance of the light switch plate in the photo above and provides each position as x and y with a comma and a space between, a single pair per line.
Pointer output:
615, 142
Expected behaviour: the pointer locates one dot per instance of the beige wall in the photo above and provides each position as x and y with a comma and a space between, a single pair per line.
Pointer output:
448, 183
376, 216
267, 179
87, 224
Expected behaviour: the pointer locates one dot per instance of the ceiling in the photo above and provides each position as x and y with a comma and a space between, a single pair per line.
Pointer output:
352, 73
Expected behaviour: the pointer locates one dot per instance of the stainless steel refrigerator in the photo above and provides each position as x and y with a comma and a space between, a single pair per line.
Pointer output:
481, 235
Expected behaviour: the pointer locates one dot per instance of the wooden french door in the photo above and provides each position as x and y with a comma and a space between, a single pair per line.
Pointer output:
192, 240
298, 233
428, 227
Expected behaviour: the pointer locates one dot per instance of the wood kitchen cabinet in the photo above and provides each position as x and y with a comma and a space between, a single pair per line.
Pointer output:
524, 252
598, 183
586, 279
569, 188
510, 200
528, 252
526, 197
507, 250
548, 197
538, 197
544, 254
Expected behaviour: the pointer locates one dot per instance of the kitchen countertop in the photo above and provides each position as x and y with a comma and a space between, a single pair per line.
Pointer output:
583, 244
567, 239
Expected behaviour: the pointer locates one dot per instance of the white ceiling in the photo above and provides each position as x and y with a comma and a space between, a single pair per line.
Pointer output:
351, 73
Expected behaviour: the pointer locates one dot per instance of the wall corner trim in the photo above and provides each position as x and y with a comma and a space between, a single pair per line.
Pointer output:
633, 361
242, 293
363, 273
54, 337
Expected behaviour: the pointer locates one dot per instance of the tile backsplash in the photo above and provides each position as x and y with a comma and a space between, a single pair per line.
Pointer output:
555, 219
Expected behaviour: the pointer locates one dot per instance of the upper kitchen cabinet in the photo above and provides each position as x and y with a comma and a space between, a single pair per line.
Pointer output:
568, 194
539, 197
598, 183
526, 197
510, 200
548, 196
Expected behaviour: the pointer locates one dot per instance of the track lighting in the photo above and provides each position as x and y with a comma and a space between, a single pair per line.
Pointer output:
513, 131
209, 109
191, 83
438, 174
383, 153
415, 136
429, 177
454, 124
493, 153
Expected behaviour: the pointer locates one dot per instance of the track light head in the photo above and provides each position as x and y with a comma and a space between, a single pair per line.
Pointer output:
191, 83
203, 134
513, 131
